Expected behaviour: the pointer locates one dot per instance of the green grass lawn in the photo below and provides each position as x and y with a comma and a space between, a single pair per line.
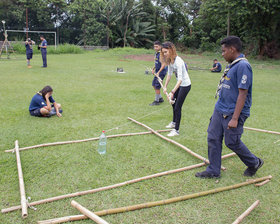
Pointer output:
94, 98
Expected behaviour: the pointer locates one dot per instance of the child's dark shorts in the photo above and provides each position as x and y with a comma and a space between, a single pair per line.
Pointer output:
29, 56
36, 112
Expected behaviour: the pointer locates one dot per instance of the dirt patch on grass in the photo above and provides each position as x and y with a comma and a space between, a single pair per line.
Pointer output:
142, 57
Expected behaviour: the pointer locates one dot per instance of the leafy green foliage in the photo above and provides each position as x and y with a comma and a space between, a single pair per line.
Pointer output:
240, 18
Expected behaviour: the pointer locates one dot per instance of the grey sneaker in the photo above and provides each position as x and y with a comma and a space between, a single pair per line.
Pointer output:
53, 112
155, 103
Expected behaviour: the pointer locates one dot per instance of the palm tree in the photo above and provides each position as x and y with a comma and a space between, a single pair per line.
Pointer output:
133, 31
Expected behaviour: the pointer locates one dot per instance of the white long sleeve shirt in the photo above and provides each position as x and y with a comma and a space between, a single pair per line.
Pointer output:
180, 70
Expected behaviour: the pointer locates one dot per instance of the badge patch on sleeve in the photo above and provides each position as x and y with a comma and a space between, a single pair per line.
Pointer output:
244, 79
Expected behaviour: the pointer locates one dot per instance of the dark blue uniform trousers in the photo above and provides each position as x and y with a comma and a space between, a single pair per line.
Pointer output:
217, 130
44, 57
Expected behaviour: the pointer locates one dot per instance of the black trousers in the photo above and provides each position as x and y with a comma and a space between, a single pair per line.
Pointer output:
180, 96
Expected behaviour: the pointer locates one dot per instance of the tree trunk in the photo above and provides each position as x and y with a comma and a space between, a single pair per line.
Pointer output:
126, 27
108, 28
57, 29
228, 23
84, 29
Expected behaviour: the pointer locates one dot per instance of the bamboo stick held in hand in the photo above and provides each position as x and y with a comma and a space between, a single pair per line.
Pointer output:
56, 198
154, 203
21, 183
167, 95
247, 212
88, 213
174, 142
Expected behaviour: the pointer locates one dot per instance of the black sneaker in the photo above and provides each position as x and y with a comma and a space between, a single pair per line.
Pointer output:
155, 103
161, 100
205, 174
251, 171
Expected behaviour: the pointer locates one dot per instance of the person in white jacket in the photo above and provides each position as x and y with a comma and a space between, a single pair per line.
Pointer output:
181, 89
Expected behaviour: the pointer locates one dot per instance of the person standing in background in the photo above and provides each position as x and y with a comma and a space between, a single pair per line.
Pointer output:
159, 71
29, 51
43, 47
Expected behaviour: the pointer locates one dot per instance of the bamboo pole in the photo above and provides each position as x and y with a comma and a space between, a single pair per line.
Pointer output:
262, 183
154, 203
167, 95
173, 142
247, 212
23, 200
262, 130
88, 213
56, 198
83, 140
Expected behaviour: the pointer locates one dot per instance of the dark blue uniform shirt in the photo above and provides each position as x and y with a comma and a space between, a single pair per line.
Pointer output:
44, 43
158, 65
29, 49
38, 101
219, 66
239, 76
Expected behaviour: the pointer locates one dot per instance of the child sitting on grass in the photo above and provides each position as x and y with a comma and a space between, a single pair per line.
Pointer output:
40, 105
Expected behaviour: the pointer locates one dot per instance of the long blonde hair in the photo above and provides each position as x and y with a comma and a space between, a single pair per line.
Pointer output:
173, 54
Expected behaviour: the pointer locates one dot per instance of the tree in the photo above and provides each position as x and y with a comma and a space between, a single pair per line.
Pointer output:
172, 19
86, 13
109, 11
216, 19
133, 29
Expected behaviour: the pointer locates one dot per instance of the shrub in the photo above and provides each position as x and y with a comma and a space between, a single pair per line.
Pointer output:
65, 49
19, 48
130, 50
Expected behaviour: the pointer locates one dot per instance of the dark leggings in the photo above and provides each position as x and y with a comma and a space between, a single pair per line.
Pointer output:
180, 96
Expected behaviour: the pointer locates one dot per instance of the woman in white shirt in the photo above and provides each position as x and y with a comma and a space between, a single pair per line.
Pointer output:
182, 87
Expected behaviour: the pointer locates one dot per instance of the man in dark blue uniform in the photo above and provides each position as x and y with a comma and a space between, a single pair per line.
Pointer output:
217, 67
29, 51
43, 47
158, 71
231, 111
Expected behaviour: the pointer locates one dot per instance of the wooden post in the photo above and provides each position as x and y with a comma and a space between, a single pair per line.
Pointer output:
23, 200
84, 140
173, 142
56, 198
88, 213
247, 212
262, 130
154, 203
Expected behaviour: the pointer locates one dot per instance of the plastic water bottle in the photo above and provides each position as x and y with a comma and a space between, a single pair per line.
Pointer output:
102, 144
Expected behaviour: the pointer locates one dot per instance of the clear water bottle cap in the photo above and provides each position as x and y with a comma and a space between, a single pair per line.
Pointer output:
103, 131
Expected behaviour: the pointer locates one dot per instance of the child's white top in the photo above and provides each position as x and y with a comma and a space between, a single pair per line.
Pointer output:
180, 70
